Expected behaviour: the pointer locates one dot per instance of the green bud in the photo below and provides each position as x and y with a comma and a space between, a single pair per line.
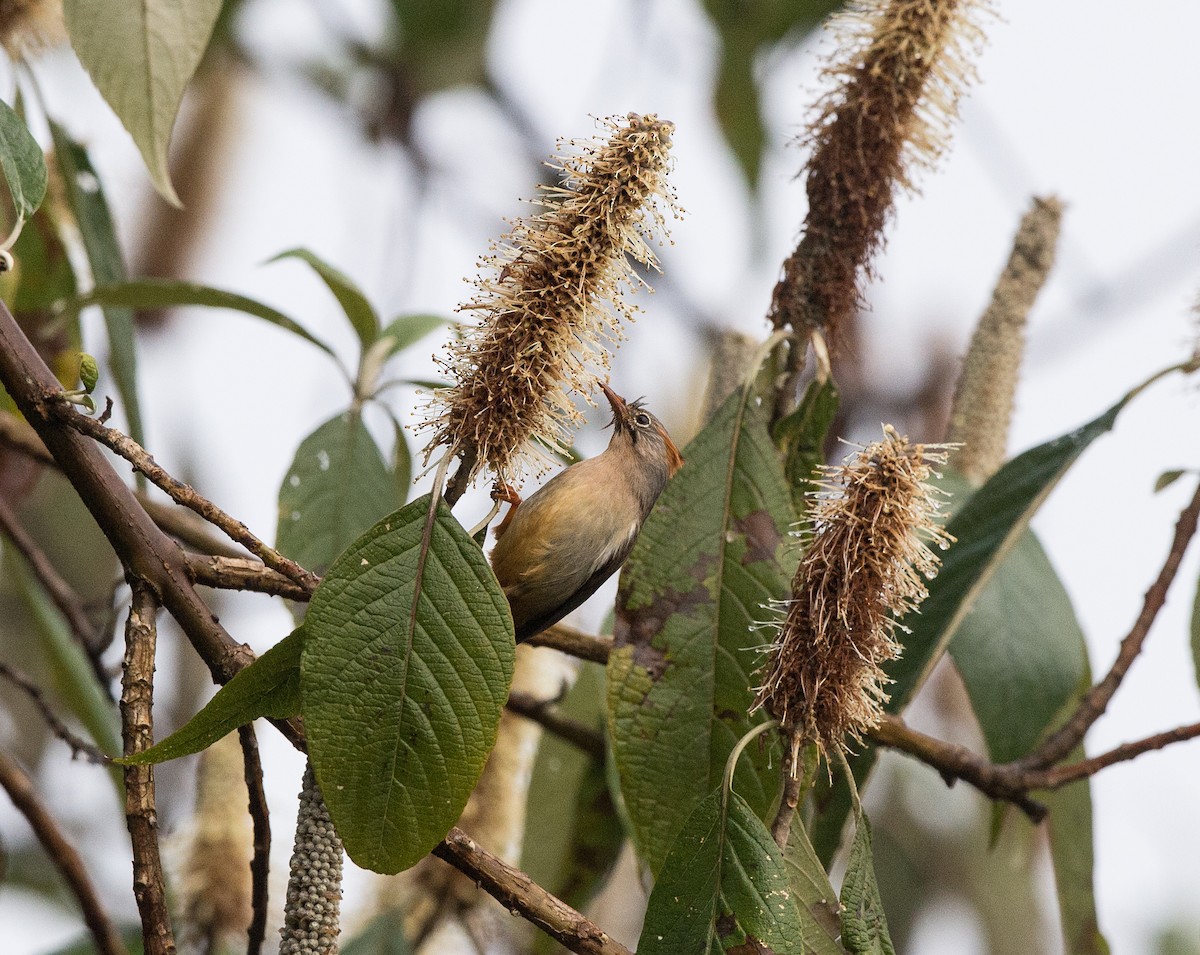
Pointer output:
89, 372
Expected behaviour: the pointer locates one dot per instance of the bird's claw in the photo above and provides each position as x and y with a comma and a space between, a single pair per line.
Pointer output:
506, 493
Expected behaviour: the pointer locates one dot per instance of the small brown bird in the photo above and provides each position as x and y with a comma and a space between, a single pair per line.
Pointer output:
554, 550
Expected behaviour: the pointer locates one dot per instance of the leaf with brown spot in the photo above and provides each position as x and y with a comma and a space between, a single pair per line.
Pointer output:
707, 565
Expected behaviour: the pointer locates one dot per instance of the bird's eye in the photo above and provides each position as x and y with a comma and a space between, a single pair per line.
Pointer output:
642, 420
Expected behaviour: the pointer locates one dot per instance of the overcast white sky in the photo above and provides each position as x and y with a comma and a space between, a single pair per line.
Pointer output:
1093, 102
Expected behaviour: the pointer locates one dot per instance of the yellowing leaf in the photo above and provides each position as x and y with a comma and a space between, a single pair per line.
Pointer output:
141, 55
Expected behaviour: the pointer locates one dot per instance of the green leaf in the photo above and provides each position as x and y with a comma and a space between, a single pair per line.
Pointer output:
987, 528
1167, 478
141, 54
708, 563
1020, 651
23, 164
723, 887
86, 199
1070, 826
362, 316
336, 487
270, 687
400, 334
76, 680
801, 436
401, 462
169, 293
407, 662
89, 372
384, 935
578, 833
817, 902
864, 926
832, 804
1196, 633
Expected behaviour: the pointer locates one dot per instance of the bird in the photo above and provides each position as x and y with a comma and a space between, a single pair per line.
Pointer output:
555, 549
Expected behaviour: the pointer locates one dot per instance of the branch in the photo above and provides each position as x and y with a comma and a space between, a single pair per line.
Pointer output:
62, 854
61, 593
179, 492
137, 730
1057, 776
574, 642
244, 573
261, 863
1096, 700
513, 889
79, 746
141, 546
546, 715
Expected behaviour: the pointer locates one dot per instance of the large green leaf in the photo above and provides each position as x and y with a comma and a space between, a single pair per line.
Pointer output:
1020, 651
141, 55
22, 163
708, 564
361, 315
1071, 850
987, 529
864, 926
818, 903
269, 687
407, 662
86, 199
723, 887
337, 486
169, 293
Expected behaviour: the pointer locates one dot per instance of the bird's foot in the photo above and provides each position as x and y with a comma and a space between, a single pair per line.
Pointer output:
507, 494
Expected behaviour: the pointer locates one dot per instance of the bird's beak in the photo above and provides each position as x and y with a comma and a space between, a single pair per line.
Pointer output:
619, 406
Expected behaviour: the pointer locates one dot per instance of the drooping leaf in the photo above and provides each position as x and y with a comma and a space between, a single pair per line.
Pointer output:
577, 834
141, 54
817, 902
269, 687
1071, 850
22, 163
400, 334
407, 662
170, 293
86, 199
337, 486
723, 887
384, 935
363, 318
708, 563
864, 925
76, 680
1167, 478
1020, 651
987, 528
801, 436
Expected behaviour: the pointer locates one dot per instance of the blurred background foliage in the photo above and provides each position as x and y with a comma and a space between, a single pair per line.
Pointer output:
375, 64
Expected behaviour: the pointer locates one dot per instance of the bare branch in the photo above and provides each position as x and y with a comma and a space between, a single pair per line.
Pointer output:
62, 854
179, 492
545, 713
574, 643
261, 863
79, 746
137, 730
245, 573
1096, 700
513, 889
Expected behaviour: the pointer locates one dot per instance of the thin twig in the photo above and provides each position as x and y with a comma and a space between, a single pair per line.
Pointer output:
79, 746
261, 862
513, 889
62, 854
573, 642
137, 730
1096, 700
793, 783
244, 573
61, 593
1057, 776
141, 460
546, 715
